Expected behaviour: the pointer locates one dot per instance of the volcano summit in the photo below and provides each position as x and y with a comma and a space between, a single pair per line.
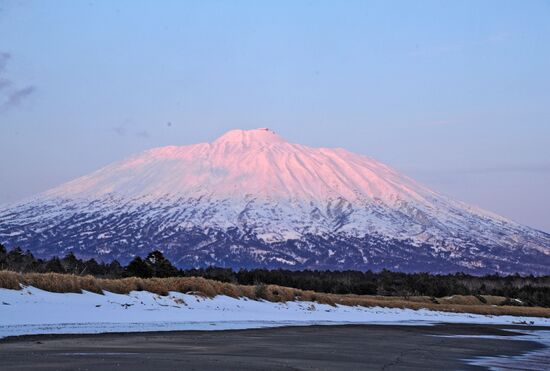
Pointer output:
252, 199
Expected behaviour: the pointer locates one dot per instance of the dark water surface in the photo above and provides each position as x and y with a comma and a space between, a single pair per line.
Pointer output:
350, 347
538, 359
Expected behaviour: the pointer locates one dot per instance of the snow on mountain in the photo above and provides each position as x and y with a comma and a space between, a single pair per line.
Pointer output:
240, 163
250, 198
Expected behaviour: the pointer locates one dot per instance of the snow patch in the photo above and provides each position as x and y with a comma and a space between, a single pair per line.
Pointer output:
34, 311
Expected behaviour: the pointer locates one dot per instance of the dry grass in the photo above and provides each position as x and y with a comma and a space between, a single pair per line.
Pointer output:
54, 282
10, 280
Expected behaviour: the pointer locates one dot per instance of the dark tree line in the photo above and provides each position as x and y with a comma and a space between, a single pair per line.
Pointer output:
154, 265
529, 289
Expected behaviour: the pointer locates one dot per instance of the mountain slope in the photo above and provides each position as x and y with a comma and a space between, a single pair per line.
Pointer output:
252, 199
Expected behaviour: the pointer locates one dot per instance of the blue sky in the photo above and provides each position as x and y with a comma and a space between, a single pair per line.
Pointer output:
454, 94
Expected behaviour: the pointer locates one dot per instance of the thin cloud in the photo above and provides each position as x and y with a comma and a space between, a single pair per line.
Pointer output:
15, 98
541, 168
143, 134
496, 38
422, 51
10, 95
451, 48
120, 130
430, 124
519, 168
438, 123
4, 84
4, 57
123, 130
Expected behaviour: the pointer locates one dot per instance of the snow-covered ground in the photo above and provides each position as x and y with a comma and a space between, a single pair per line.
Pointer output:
34, 311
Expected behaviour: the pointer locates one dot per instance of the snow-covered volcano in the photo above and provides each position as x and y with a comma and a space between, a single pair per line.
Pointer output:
250, 198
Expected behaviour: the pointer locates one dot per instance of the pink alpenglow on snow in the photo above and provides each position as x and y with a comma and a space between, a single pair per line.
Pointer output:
249, 162
251, 198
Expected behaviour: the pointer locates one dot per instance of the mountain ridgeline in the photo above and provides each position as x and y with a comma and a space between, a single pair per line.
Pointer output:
250, 199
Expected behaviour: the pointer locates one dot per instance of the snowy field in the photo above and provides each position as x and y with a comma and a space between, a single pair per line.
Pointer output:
34, 311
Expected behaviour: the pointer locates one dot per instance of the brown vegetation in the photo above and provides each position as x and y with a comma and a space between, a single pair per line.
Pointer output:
55, 282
